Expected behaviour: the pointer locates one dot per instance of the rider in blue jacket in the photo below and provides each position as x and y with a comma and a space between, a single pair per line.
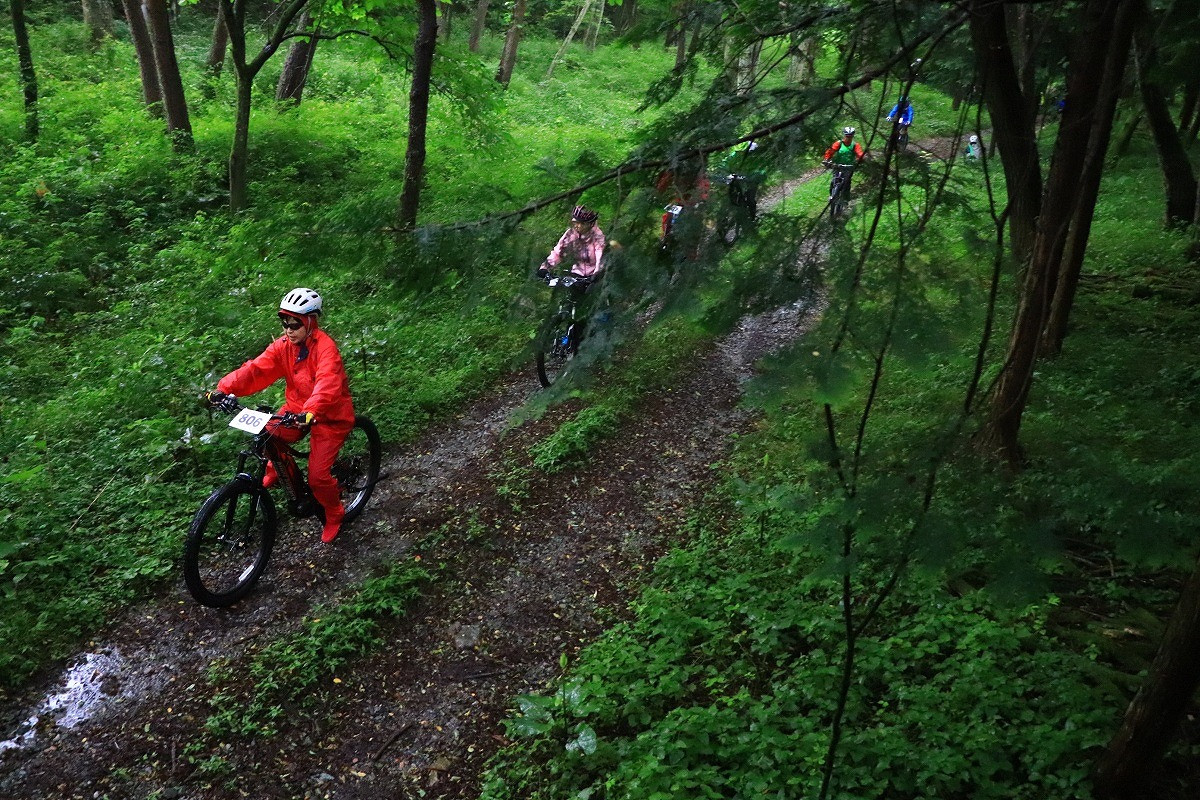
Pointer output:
904, 109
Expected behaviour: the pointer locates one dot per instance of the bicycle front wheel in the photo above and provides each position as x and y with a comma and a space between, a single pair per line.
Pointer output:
357, 466
554, 352
228, 544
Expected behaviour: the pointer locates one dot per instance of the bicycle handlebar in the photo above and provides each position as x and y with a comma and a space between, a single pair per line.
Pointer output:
228, 404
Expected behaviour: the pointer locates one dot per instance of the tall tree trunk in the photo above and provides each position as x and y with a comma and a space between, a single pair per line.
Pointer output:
418, 113
98, 16
747, 66
1127, 768
1178, 177
478, 23
299, 60
508, 58
601, 5
234, 14
1085, 77
215, 61
1013, 124
144, 48
625, 16
681, 42
179, 127
1126, 138
445, 14
1021, 22
1191, 99
29, 85
566, 42
239, 153
1087, 187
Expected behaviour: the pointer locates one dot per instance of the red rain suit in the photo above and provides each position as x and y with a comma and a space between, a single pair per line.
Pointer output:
315, 381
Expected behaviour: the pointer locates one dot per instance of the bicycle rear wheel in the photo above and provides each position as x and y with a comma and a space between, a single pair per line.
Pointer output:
228, 544
357, 466
554, 352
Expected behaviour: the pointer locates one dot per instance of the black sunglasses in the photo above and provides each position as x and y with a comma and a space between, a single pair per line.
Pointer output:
291, 323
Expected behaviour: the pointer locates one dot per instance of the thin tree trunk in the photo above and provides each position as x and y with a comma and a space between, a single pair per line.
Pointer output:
1085, 77
595, 36
1127, 768
1126, 138
215, 61
239, 153
98, 16
1191, 99
418, 114
234, 14
1179, 179
1023, 26
29, 87
1087, 187
294, 76
747, 66
681, 45
508, 58
583, 9
144, 48
179, 127
445, 15
1013, 125
478, 23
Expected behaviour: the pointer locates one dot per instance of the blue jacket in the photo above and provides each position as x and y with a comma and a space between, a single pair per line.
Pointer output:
906, 117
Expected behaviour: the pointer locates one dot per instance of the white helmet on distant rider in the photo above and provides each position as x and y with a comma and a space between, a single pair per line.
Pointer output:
847, 131
974, 139
301, 301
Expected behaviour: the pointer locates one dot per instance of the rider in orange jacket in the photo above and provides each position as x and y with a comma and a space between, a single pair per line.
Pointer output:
315, 386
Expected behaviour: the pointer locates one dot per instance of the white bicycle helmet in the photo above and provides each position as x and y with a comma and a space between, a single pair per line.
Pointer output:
847, 131
974, 139
301, 301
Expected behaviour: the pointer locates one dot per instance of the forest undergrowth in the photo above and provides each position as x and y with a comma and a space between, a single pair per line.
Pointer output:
861, 587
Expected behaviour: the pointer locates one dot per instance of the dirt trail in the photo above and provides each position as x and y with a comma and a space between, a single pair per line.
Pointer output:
539, 576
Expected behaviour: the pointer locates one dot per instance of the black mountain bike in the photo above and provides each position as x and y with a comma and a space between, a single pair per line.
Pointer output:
558, 339
743, 206
232, 534
839, 188
901, 137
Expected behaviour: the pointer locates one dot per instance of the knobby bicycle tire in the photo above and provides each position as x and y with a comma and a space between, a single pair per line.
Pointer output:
552, 355
229, 543
357, 466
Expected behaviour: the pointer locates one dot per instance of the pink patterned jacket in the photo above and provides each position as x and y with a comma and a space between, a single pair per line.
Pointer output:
582, 250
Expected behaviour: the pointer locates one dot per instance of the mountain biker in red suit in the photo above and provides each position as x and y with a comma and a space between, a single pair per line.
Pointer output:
315, 386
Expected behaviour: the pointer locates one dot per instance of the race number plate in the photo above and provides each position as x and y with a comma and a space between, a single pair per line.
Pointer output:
673, 209
250, 421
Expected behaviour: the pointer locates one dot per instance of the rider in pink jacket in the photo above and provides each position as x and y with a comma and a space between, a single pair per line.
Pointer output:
315, 385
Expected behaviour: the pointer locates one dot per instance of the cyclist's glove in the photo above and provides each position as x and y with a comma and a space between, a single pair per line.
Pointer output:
222, 402
307, 419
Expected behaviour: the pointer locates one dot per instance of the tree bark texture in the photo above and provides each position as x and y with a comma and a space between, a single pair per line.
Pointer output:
144, 48
566, 42
294, 76
1085, 78
478, 23
1127, 768
1178, 177
418, 113
233, 12
174, 104
1013, 130
98, 17
595, 35
29, 87
508, 58
215, 61
1088, 181
445, 16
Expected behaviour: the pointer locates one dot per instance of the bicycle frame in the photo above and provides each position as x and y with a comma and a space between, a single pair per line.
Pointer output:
266, 447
